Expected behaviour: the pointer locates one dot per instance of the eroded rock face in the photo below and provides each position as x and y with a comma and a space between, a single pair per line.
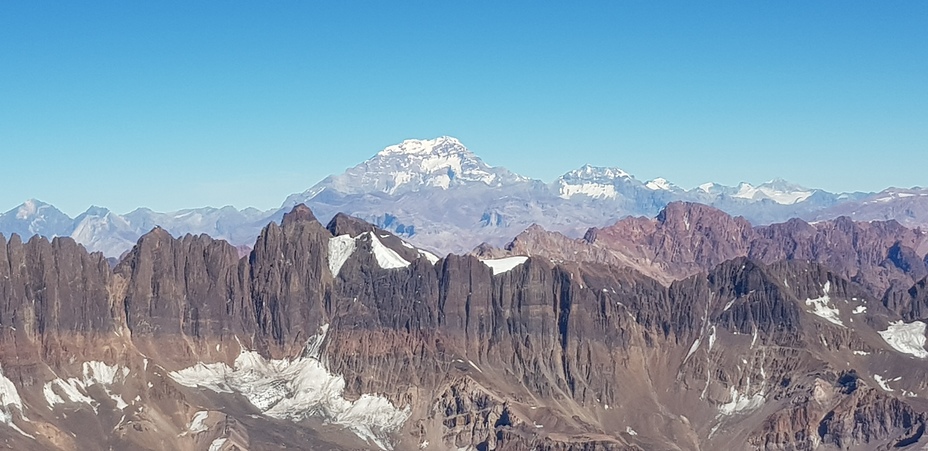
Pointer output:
686, 239
51, 292
184, 345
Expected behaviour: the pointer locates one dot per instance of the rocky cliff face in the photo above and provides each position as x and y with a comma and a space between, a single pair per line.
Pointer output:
686, 239
347, 337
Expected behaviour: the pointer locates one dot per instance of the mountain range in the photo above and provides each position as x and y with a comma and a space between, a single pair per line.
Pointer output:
441, 196
346, 336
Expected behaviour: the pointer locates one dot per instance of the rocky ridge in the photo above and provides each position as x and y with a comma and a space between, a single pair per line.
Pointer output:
686, 238
184, 345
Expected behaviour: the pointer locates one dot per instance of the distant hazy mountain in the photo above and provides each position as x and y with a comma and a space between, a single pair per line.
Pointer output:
101, 230
439, 195
442, 196
908, 206
35, 217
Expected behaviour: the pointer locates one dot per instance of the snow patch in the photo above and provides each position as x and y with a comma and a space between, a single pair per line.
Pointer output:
99, 373
432, 258
340, 248
198, 423
75, 390
859, 309
882, 382
630, 431
693, 349
501, 265
294, 389
741, 402
9, 399
906, 338
822, 307
51, 397
216, 445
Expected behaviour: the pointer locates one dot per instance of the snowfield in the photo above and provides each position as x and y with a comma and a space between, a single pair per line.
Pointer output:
906, 338
298, 388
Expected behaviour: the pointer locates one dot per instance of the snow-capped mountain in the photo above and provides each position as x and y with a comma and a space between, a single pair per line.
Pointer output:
661, 183
777, 190
413, 165
441, 196
594, 182
34, 217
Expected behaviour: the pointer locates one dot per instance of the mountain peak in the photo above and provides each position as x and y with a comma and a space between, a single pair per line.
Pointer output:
440, 145
299, 213
30, 208
414, 165
595, 182
96, 211
782, 184
661, 184
710, 188
777, 190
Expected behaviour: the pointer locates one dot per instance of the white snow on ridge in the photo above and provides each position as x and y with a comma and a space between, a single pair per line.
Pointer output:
822, 307
501, 265
418, 163
432, 258
387, 258
906, 338
340, 248
660, 183
298, 388
418, 146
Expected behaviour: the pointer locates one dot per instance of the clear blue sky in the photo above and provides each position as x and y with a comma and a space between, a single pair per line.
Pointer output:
174, 105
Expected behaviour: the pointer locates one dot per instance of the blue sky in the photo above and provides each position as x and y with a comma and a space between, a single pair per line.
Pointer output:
173, 105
